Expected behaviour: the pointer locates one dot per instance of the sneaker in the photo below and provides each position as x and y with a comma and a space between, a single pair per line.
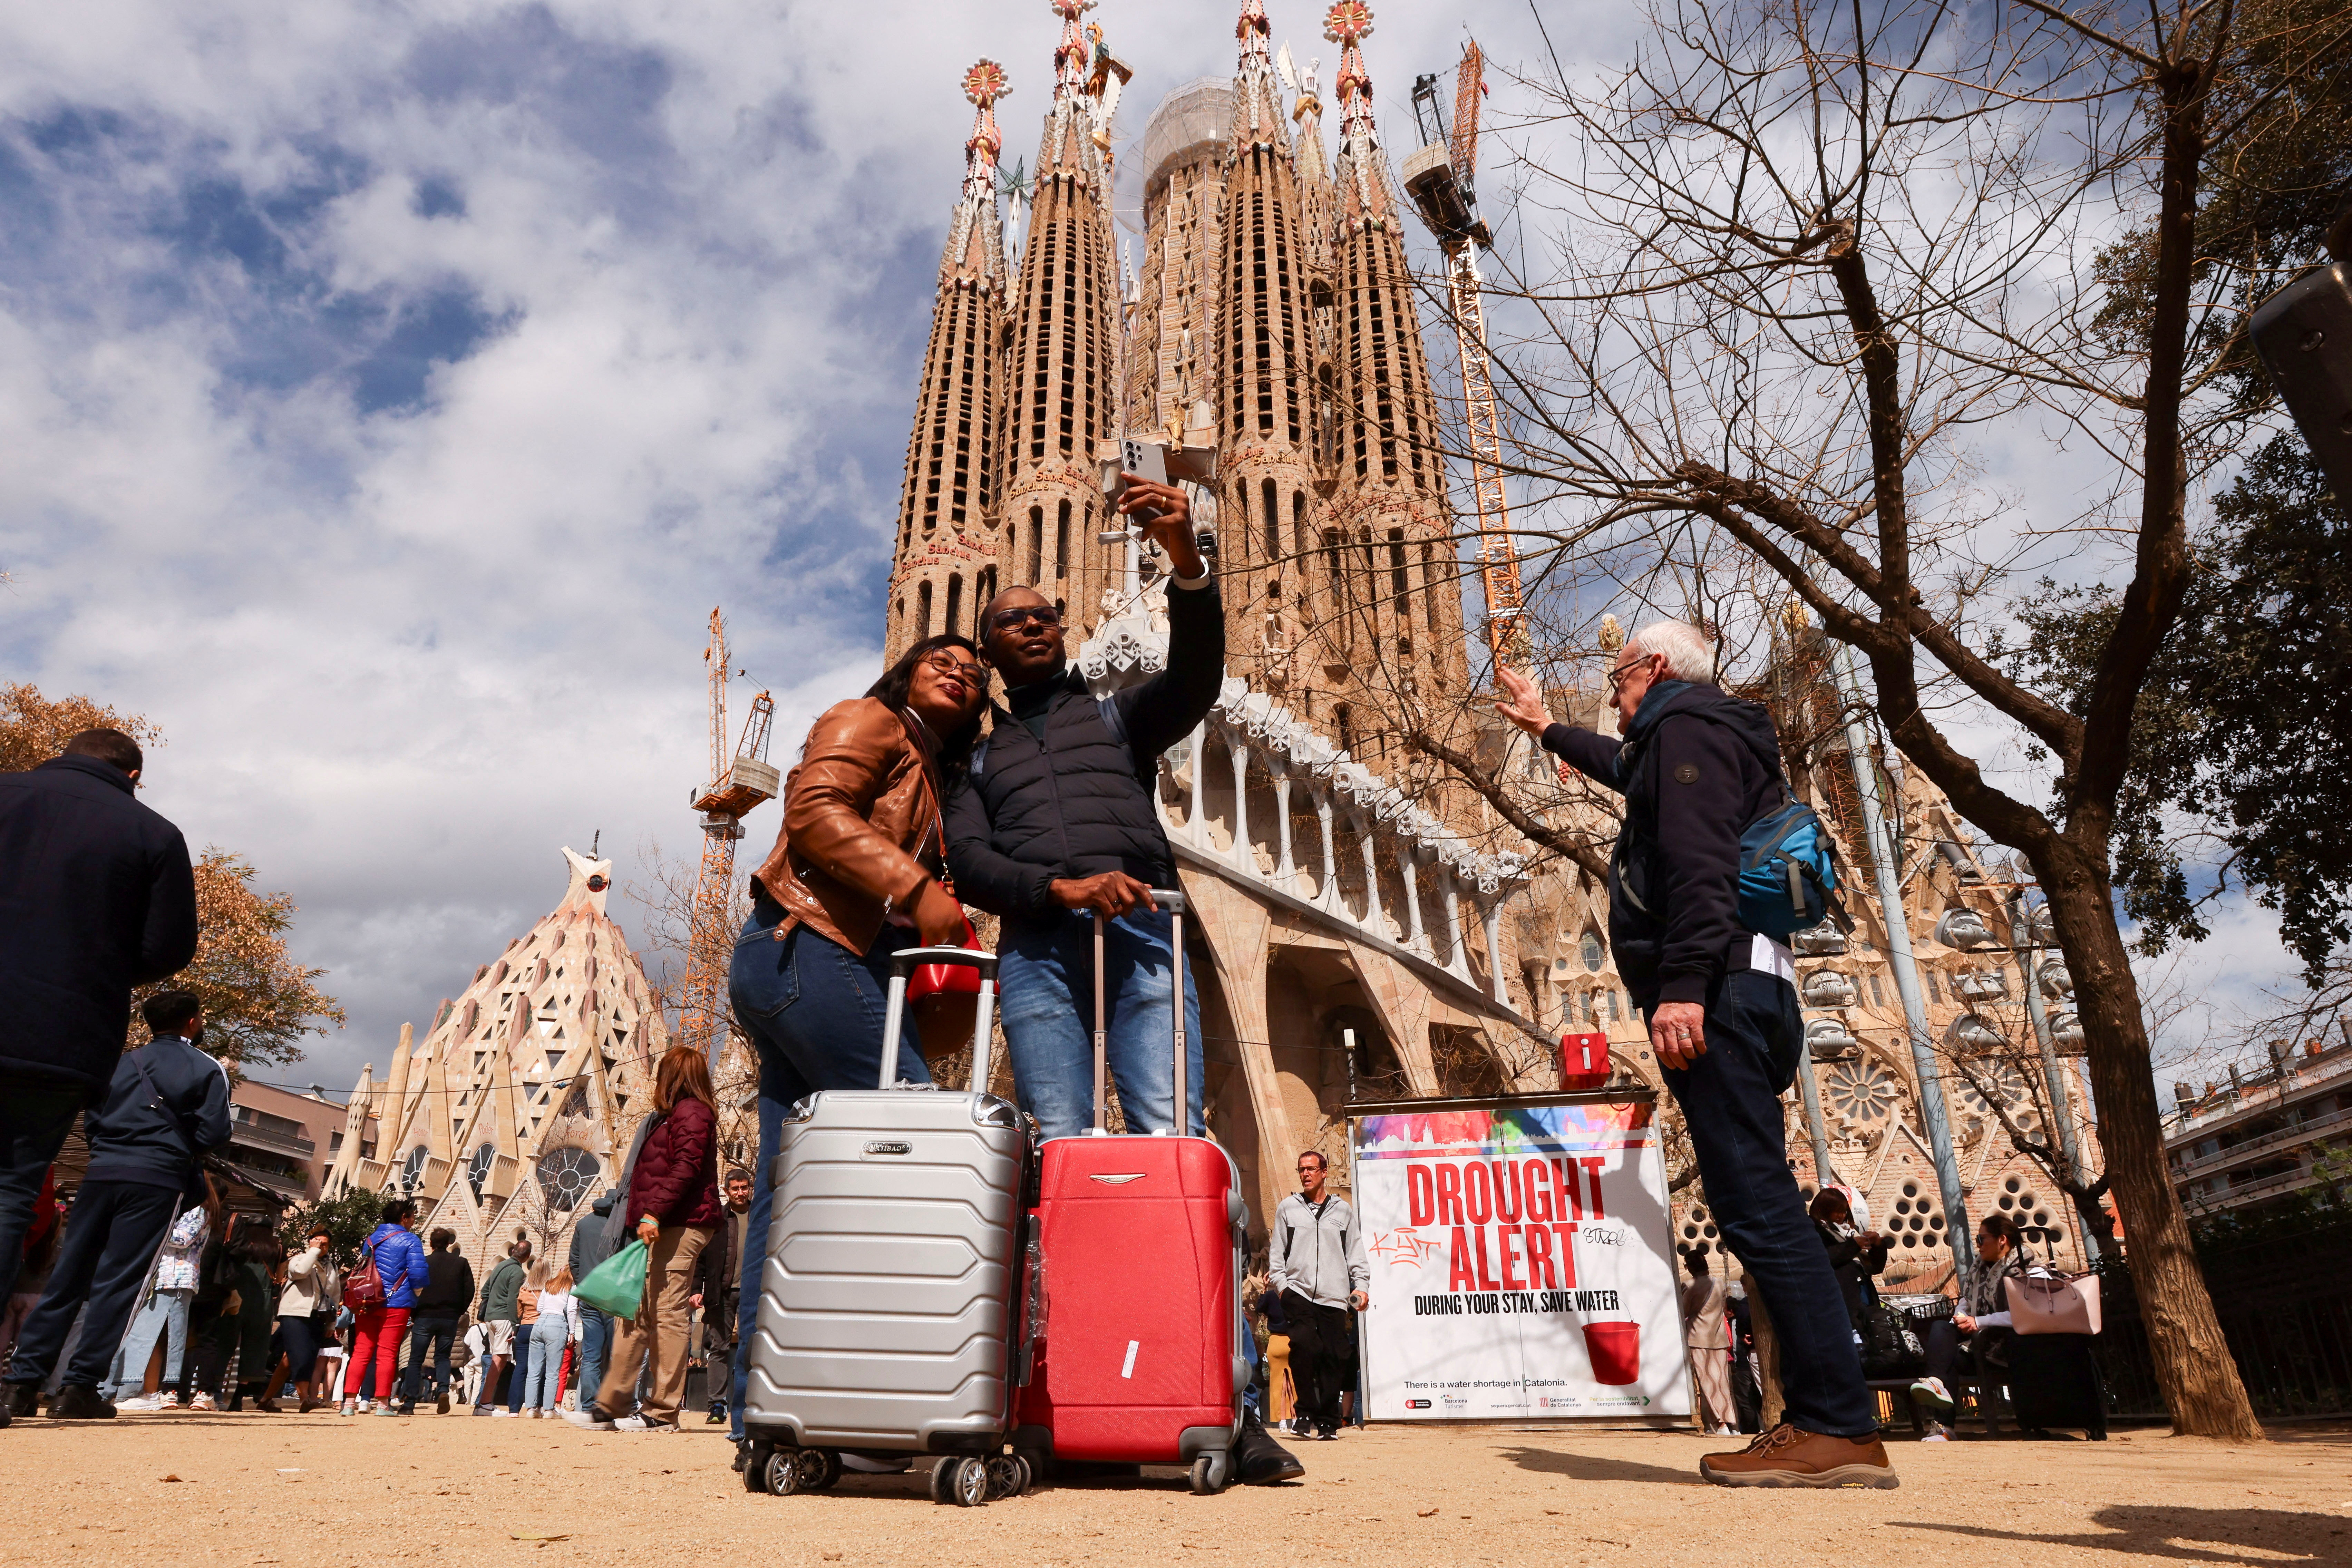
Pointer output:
141, 1404
389, 1408
79, 1402
501, 1413
367, 1407
348, 1407
639, 1424
169, 1399
1936, 1432
590, 1419
484, 1410
202, 1401
1931, 1392
1790, 1456
716, 1418
1327, 1434
1258, 1459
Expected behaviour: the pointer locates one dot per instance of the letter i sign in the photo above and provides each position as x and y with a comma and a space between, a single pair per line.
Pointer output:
1583, 1061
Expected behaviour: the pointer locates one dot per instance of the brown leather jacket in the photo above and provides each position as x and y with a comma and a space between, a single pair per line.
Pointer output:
860, 825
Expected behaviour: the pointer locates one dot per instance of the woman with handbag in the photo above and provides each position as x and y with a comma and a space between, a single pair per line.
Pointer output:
1974, 1338
380, 1291
673, 1202
858, 872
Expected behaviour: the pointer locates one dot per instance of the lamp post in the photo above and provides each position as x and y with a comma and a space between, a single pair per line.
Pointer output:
1884, 852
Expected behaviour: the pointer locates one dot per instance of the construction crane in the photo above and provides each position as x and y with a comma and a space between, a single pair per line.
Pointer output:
1440, 179
737, 785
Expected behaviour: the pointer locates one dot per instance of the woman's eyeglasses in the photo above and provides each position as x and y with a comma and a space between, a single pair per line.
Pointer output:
947, 662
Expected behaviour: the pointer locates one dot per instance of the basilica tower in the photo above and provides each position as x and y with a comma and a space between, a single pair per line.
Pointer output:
1403, 612
1063, 396
945, 564
1265, 378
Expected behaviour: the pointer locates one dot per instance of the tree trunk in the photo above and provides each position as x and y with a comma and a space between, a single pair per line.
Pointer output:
2193, 1364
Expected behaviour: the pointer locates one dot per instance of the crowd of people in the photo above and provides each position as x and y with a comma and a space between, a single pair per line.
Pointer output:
907, 805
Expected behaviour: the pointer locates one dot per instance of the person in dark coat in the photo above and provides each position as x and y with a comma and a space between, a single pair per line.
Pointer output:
1854, 1253
591, 1243
95, 896
166, 1109
1055, 823
1697, 767
433, 1329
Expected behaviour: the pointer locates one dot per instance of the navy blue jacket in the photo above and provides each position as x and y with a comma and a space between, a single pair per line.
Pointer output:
400, 1263
95, 896
1696, 767
1080, 801
153, 1135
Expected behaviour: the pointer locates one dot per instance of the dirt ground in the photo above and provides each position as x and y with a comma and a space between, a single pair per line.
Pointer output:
320, 1489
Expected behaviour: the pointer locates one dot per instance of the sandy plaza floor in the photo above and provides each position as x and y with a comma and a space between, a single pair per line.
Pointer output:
320, 1489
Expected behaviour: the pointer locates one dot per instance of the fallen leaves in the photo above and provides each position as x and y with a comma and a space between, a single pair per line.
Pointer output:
170, 1478
542, 1540
1432, 1513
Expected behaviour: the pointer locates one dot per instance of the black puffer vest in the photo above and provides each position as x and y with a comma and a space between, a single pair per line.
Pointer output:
1076, 805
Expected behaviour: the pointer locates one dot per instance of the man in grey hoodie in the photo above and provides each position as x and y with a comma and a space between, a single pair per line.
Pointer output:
591, 1243
1317, 1264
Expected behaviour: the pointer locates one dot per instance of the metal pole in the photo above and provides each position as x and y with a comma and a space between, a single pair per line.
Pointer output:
1885, 852
2061, 1105
1809, 1092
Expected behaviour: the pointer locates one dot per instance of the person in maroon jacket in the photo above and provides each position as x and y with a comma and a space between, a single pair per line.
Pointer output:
673, 1199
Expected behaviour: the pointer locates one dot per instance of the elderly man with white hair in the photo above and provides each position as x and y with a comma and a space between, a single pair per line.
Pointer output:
1697, 767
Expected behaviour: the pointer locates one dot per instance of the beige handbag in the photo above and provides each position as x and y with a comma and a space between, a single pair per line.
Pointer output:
2055, 1304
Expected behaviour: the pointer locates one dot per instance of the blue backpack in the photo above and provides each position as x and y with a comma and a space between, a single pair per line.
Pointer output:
1788, 882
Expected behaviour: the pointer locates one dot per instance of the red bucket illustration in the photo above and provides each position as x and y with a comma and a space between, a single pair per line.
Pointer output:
1615, 1351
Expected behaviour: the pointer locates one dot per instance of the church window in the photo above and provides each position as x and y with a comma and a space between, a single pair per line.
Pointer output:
565, 1177
477, 1169
922, 611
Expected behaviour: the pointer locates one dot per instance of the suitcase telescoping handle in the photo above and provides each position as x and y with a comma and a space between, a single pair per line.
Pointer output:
903, 963
1173, 901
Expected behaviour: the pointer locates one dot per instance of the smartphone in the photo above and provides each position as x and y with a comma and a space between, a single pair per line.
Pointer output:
1146, 461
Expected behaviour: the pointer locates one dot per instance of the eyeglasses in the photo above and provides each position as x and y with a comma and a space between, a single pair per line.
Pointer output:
1625, 672
1022, 615
946, 662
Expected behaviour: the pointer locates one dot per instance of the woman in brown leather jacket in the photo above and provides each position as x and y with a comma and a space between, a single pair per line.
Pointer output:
856, 873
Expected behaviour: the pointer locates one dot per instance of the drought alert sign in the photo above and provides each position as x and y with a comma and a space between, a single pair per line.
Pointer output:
1520, 1264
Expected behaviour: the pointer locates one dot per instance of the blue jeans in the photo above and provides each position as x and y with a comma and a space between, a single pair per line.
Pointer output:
547, 1343
1731, 1099
426, 1337
595, 1340
165, 1317
1046, 981
34, 1121
521, 1360
813, 1012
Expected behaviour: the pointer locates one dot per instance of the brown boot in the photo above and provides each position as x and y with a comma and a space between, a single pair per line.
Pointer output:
1790, 1457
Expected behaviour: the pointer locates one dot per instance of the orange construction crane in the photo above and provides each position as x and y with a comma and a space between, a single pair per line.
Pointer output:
735, 785
1440, 179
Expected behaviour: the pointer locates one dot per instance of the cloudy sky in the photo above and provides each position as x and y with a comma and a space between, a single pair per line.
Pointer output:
391, 389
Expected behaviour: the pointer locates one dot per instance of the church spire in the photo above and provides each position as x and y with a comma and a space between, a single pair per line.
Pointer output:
1063, 369
944, 569
1364, 186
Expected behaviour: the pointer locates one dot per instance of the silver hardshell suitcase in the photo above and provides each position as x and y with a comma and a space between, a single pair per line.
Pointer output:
891, 1293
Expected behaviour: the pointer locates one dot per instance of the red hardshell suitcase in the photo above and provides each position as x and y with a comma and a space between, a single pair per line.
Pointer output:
1140, 1237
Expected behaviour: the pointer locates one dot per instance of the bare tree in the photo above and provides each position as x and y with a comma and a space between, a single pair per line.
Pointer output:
1798, 263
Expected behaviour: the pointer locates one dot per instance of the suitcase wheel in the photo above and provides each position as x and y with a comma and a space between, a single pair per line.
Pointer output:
791, 1471
824, 1467
1211, 1474
1008, 1476
963, 1482
754, 1467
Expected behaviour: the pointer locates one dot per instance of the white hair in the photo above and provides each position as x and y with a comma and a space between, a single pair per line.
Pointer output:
1688, 653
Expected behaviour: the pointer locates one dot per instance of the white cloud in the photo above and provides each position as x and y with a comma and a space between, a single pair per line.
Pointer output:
402, 385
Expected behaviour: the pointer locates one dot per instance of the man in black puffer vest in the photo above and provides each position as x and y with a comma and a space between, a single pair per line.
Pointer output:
1056, 822
1697, 767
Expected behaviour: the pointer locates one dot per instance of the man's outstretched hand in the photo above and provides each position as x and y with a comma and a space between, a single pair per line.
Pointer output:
1525, 705
1110, 894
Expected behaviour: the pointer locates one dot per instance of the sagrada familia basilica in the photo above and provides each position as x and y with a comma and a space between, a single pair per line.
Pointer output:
1368, 928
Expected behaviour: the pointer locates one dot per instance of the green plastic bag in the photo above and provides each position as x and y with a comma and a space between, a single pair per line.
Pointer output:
618, 1285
